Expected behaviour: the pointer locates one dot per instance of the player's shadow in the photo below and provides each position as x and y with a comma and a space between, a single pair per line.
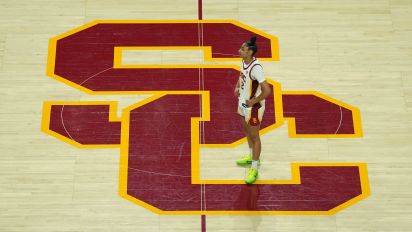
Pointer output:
248, 200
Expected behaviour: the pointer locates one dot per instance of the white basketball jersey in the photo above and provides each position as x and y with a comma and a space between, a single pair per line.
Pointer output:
251, 75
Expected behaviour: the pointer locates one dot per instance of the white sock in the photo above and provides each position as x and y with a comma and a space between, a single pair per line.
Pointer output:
255, 164
251, 151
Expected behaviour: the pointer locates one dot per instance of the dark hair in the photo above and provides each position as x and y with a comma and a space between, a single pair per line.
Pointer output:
251, 44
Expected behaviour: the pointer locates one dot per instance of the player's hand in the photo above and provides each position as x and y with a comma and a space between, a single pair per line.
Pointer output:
250, 102
237, 92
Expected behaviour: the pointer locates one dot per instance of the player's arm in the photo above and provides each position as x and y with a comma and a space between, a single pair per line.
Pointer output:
258, 75
266, 91
238, 83
236, 92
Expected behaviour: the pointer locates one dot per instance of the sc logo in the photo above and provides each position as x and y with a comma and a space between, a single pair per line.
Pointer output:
159, 137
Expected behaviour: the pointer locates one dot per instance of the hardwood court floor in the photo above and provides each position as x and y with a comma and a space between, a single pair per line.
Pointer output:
359, 52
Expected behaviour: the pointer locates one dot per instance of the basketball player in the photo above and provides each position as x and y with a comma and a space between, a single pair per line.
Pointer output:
251, 89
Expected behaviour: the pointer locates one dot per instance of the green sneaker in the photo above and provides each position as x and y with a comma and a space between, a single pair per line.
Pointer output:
252, 176
245, 160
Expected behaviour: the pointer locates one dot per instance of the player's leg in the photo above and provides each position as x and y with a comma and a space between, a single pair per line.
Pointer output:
253, 129
247, 159
256, 144
253, 171
249, 140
